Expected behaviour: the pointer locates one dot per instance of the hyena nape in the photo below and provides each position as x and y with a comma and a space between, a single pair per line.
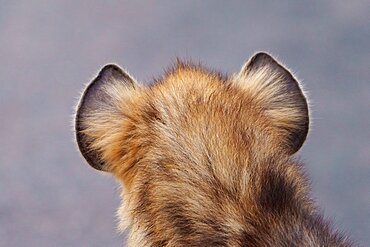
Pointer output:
205, 159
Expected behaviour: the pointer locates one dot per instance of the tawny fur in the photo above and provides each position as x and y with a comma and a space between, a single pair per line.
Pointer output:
204, 159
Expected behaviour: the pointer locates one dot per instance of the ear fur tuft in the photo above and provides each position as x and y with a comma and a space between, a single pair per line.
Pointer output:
97, 111
279, 94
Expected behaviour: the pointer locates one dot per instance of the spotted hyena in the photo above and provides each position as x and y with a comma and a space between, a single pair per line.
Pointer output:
205, 159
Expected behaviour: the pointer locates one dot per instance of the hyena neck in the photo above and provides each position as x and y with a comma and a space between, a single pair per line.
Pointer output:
266, 204
284, 214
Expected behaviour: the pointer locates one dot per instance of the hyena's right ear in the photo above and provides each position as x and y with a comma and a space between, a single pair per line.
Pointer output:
100, 113
279, 94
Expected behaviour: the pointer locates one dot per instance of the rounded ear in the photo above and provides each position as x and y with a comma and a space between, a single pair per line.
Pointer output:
281, 96
98, 110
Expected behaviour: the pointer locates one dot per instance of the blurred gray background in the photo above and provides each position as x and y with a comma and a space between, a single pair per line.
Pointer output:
49, 196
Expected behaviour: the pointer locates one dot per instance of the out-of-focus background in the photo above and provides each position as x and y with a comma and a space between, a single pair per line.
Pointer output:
49, 196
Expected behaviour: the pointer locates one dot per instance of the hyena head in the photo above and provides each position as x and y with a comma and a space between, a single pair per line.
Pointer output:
205, 159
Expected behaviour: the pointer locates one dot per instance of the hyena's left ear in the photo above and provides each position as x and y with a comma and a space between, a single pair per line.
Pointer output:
100, 113
280, 95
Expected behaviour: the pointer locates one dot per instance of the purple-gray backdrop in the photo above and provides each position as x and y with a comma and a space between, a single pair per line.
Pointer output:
49, 49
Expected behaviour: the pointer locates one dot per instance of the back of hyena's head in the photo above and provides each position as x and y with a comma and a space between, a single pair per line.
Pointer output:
190, 118
263, 98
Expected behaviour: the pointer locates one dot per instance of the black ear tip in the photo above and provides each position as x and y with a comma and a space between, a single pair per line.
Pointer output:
262, 57
111, 67
261, 53
113, 71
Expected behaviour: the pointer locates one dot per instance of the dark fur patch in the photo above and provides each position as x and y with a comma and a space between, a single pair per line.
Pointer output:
178, 216
217, 236
151, 114
249, 239
277, 194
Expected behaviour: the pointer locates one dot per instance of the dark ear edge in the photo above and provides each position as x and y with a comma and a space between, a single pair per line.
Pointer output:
91, 157
93, 97
293, 92
298, 136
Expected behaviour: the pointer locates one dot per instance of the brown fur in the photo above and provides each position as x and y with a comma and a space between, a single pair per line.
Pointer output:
204, 159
